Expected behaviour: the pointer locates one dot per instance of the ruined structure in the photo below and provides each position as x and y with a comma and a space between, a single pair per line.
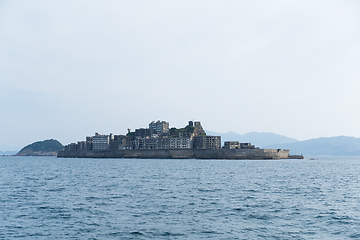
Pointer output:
160, 141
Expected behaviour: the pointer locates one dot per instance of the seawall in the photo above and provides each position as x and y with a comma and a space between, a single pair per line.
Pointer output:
183, 154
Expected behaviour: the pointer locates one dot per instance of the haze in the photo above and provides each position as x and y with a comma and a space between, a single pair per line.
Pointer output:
69, 69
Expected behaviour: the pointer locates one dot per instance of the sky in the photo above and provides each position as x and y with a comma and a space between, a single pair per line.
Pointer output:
69, 69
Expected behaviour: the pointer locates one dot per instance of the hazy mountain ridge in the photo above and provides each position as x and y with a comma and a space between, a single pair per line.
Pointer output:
259, 139
335, 146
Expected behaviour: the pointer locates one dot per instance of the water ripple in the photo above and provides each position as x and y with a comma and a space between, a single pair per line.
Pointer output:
50, 198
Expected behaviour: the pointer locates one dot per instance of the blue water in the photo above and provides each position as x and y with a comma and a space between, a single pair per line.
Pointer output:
50, 198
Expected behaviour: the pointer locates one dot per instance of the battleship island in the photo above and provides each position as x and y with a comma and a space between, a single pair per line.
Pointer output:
158, 141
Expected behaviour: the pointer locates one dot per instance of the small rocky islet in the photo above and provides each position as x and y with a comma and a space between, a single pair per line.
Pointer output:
49, 147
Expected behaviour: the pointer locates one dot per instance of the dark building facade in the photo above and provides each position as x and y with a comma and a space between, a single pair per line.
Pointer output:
159, 126
206, 142
143, 132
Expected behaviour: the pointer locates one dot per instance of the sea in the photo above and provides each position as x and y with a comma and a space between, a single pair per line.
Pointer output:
58, 198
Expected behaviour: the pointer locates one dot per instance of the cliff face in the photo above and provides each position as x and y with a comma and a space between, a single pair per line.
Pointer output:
42, 148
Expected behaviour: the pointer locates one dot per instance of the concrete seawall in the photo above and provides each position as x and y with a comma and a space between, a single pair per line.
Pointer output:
183, 154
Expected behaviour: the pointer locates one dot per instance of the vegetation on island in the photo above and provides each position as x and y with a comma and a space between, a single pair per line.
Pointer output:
42, 148
130, 134
175, 132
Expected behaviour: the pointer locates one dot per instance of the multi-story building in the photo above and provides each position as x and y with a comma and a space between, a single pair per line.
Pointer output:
237, 145
206, 142
159, 126
143, 132
71, 147
163, 143
247, 146
117, 142
89, 143
231, 145
181, 143
101, 142
81, 146
128, 142
157, 136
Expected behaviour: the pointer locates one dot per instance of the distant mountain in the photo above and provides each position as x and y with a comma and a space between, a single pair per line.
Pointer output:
258, 139
42, 148
336, 146
332, 146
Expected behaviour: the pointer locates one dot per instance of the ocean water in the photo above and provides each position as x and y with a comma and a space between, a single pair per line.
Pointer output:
50, 198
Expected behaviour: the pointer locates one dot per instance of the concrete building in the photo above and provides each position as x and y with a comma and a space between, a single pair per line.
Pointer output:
128, 142
81, 146
159, 126
143, 132
207, 142
101, 142
180, 143
246, 146
157, 136
89, 143
231, 145
117, 142
163, 143
71, 147
237, 145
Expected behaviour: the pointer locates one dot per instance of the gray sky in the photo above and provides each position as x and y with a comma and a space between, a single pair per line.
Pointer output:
69, 69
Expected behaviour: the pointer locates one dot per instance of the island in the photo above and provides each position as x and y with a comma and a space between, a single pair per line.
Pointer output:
49, 147
158, 141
